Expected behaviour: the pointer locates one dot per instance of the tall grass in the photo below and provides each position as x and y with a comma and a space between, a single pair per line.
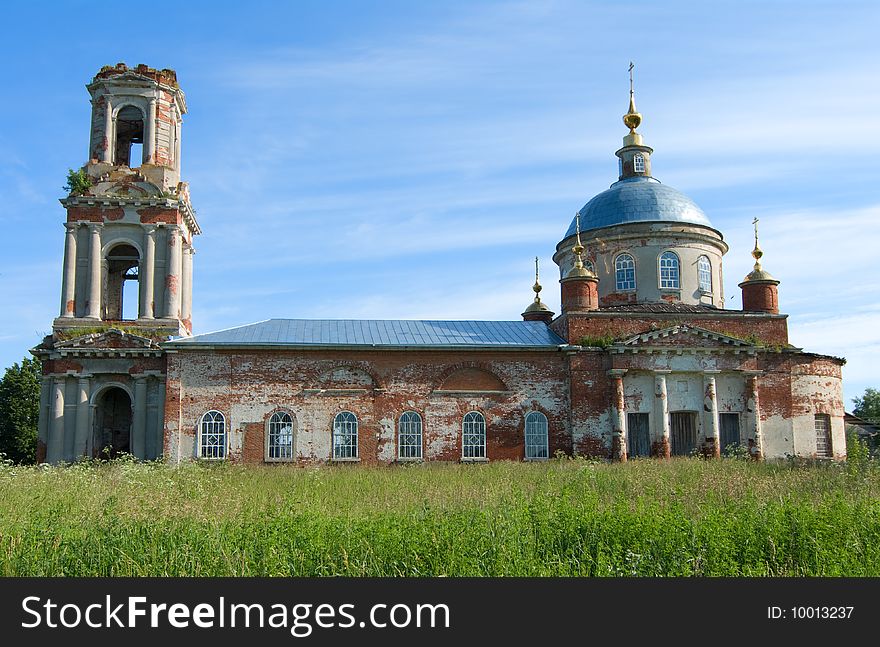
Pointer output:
561, 518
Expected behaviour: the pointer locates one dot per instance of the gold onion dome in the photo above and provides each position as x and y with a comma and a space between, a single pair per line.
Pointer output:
579, 271
758, 273
537, 305
632, 119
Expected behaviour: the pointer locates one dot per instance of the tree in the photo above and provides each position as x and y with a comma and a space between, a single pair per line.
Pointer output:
868, 406
20, 410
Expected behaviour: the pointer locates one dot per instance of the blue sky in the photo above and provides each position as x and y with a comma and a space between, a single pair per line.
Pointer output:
408, 160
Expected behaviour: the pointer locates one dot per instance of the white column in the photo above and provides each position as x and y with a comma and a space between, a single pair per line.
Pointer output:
45, 414
661, 413
753, 410
68, 278
147, 273
81, 438
139, 422
710, 411
618, 415
172, 274
55, 450
107, 153
93, 306
186, 285
150, 134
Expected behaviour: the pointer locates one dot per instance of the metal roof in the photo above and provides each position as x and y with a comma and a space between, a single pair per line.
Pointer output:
638, 199
322, 333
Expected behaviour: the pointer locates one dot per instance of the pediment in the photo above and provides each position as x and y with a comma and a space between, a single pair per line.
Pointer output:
112, 338
683, 336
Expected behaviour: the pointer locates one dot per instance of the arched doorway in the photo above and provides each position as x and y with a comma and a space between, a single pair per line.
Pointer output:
112, 423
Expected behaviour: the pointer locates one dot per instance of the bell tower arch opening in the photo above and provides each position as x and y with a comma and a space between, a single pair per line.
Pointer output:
121, 300
113, 417
129, 137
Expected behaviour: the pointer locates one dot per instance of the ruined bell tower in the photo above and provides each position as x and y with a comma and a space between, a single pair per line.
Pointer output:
126, 280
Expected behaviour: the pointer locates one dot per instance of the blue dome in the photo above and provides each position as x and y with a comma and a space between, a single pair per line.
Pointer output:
638, 199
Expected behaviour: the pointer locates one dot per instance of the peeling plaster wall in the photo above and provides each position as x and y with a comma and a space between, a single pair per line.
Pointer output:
313, 386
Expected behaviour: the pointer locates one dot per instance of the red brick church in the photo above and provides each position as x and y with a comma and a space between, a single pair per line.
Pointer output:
644, 359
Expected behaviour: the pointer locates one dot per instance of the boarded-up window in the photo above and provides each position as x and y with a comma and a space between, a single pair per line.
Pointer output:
684, 432
823, 436
729, 430
637, 436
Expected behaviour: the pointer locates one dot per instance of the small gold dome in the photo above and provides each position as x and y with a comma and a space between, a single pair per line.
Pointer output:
632, 119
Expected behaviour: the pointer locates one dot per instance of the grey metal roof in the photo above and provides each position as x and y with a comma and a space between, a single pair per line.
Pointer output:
638, 199
319, 333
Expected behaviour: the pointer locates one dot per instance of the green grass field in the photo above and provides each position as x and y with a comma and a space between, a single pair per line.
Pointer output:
560, 518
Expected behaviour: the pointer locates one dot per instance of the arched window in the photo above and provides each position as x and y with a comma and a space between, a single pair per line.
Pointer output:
409, 436
212, 436
639, 163
279, 437
669, 270
625, 272
704, 271
345, 436
537, 444
473, 436
589, 265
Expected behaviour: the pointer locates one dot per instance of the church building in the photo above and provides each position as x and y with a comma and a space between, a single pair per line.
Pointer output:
643, 361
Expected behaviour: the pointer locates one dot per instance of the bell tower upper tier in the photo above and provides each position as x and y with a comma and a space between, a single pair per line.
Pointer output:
137, 115
128, 247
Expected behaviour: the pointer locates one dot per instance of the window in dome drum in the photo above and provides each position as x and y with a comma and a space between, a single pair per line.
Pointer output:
639, 163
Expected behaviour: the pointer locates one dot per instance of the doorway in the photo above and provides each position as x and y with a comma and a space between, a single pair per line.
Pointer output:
684, 432
112, 424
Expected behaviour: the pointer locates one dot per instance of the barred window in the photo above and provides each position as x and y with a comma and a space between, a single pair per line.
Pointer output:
639, 163
409, 436
537, 445
823, 436
280, 437
625, 272
669, 270
345, 436
473, 437
704, 270
212, 436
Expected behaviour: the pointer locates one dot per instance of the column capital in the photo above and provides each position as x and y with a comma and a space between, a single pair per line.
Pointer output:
138, 377
752, 373
85, 376
95, 226
661, 372
617, 372
711, 372
150, 229
71, 226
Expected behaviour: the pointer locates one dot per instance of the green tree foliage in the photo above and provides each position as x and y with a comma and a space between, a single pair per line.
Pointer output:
868, 406
19, 411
